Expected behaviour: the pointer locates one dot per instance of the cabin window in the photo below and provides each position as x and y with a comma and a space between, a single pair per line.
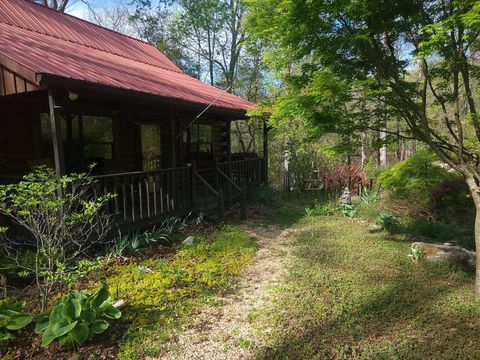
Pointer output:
98, 138
201, 140
86, 140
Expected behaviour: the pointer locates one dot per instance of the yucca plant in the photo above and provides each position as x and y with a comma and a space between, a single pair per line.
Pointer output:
77, 318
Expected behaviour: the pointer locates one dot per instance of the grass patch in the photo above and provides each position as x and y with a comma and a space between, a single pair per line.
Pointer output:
161, 293
351, 294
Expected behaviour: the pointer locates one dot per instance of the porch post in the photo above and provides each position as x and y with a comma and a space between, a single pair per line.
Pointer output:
56, 137
265, 151
173, 140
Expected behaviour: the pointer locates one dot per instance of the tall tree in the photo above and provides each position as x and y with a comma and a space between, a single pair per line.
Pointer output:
60, 5
372, 46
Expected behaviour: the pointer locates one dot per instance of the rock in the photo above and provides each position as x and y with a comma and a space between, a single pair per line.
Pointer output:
145, 270
374, 228
346, 198
120, 303
189, 240
444, 252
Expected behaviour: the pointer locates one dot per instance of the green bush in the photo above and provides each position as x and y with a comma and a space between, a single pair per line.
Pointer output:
266, 195
389, 222
348, 210
319, 210
77, 318
415, 178
12, 318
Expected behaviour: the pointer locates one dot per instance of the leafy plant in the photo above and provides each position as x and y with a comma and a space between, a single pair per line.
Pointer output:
388, 222
63, 219
417, 254
12, 318
77, 318
369, 197
348, 210
319, 210
415, 178
266, 195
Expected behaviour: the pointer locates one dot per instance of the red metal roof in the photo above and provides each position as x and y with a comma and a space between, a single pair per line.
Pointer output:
49, 42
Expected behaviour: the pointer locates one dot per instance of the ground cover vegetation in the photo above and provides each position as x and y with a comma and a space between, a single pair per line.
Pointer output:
353, 294
155, 279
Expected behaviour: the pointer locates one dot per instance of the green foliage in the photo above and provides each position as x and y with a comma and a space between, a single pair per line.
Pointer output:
348, 210
266, 195
165, 234
415, 178
63, 218
77, 318
12, 318
160, 291
319, 210
369, 197
389, 222
417, 254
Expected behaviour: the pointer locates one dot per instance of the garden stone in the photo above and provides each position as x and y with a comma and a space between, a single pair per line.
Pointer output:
145, 269
374, 228
346, 198
445, 252
189, 240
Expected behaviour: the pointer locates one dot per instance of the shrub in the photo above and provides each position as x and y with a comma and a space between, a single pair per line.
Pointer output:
77, 318
348, 210
12, 318
389, 222
63, 217
136, 241
415, 178
319, 210
266, 195
369, 197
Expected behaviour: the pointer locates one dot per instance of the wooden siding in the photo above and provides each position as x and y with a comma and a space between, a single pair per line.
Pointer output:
19, 141
12, 83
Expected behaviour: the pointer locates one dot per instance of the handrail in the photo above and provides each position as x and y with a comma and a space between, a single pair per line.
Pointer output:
136, 173
205, 182
229, 180
218, 195
243, 201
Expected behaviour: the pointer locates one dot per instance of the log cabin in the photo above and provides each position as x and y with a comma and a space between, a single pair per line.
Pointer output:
73, 93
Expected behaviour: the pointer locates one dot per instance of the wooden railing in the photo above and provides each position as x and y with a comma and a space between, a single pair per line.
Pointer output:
248, 173
144, 196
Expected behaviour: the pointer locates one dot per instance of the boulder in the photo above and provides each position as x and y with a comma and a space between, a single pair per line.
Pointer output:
374, 228
189, 240
444, 252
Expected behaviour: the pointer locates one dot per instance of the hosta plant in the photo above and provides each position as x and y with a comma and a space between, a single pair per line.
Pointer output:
77, 318
11, 319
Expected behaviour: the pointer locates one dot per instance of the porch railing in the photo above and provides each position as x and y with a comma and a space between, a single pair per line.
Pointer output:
145, 197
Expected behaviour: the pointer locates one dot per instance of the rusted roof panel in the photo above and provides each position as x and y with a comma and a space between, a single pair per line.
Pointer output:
48, 42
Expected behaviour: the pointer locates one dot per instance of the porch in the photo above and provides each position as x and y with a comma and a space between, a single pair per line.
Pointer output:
157, 158
146, 197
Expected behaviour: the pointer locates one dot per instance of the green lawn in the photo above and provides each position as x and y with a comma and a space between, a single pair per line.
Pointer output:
351, 294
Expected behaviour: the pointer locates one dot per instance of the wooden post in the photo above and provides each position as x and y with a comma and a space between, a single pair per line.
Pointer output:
56, 138
193, 185
221, 207
265, 152
173, 140
243, 205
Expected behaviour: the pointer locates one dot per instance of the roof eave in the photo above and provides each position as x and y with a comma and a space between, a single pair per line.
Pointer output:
49, 80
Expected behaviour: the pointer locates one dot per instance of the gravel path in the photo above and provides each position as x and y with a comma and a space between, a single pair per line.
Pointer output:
223, 331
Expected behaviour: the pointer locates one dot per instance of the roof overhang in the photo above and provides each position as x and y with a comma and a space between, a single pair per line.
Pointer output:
114, 93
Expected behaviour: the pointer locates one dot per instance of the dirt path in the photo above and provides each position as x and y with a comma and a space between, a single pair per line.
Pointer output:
223, 331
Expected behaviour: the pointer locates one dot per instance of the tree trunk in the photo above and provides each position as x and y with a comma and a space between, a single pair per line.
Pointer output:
475, 192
